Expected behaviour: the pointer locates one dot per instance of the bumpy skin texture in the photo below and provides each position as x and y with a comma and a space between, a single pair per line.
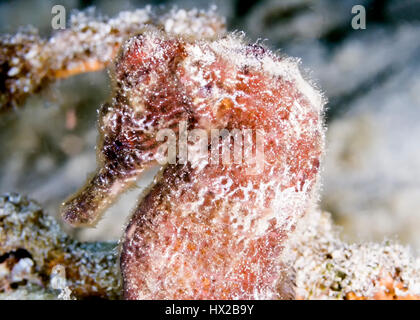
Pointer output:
205, 230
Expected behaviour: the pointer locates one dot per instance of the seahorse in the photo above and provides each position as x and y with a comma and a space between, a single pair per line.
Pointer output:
205, 230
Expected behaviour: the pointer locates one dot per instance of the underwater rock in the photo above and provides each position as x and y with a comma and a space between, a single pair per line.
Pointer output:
33, 247
325, 267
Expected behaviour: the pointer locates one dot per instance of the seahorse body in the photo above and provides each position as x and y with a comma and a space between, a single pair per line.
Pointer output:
205, 230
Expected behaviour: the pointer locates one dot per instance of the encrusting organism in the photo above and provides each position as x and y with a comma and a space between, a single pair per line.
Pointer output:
326, 267
33, 246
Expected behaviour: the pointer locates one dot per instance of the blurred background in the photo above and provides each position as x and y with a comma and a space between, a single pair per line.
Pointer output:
371, 78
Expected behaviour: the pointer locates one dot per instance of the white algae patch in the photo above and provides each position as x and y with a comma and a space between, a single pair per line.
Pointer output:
328, 268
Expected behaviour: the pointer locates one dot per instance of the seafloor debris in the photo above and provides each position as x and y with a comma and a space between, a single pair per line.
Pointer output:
28, 62
37, 259
319, 263
205, 229
328, 268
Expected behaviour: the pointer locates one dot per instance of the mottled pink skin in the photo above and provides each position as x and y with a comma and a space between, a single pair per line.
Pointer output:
210, 231
217, 232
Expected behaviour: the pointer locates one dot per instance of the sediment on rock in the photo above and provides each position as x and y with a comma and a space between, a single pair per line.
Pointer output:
328, 268
38, 260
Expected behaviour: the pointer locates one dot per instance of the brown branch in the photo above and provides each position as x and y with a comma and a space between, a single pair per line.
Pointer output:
28, 63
